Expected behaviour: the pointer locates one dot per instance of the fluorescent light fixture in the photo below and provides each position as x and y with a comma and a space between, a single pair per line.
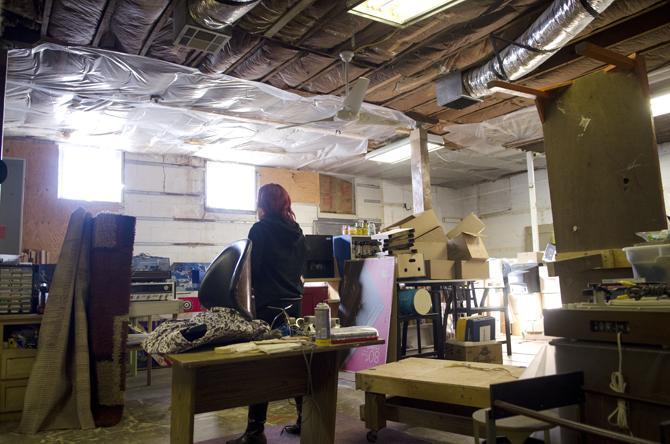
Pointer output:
401, 13
660, 105
401, 150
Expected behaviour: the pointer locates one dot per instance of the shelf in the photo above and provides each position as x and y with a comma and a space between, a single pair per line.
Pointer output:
315, 280
14, 318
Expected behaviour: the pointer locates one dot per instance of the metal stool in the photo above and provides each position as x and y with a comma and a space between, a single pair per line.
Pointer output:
515, 428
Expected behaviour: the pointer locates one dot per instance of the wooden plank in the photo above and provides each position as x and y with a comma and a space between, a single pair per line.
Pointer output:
320, 404
162, 19
602, 161
302, 186
515, 89
420, 161
431, 418
374, 411
336, 195
183, 406
103, 26
287, 17
437, 380
587, 49
46, 15
210, 357
212, 392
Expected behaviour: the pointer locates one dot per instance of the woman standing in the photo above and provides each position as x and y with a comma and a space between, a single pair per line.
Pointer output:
277, 258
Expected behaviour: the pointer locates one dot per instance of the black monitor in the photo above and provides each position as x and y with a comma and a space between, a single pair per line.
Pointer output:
227, 282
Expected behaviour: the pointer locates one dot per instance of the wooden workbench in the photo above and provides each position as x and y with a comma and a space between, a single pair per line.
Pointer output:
428, 393
209, 381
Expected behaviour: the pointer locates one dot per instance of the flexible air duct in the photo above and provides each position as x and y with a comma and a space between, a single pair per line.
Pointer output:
559, 24
217, 14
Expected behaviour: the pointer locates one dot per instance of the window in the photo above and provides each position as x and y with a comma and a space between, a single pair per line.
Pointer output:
230, 186
91, 174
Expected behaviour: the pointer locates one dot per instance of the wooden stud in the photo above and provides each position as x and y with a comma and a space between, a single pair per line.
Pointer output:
587, 49
183, 405
516, 90
103, 26
167, 12
287, 17
320, 405
420, 161
46, 14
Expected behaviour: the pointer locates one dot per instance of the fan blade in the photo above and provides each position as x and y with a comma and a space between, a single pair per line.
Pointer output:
354, 100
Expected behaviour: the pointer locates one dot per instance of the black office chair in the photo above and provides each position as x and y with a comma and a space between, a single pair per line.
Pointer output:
227, 282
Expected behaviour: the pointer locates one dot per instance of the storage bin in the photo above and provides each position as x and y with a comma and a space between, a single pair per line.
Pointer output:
651, 262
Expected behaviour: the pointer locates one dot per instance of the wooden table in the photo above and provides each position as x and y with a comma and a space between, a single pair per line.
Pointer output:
209, 381
432, 393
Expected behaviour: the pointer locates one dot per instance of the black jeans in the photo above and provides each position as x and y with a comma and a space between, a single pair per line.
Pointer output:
258, 412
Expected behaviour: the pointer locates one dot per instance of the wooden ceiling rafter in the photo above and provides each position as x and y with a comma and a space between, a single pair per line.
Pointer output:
641, 23
46, 15
157, 26
289, 15
281, 66
105, 20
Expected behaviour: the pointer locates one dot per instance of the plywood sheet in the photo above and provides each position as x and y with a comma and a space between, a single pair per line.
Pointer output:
602, 161
45, 217
462, 383
336, 195
302, 186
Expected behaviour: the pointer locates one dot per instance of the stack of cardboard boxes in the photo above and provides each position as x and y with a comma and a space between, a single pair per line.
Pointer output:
459, 254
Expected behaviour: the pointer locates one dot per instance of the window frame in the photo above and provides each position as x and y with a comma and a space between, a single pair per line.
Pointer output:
209, 209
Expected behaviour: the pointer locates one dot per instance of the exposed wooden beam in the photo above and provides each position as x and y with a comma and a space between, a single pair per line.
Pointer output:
316, 74
106, 19
421, 118
287, 17
242, 58
601, 54
46, 15
420, 162
282, 65
151, 37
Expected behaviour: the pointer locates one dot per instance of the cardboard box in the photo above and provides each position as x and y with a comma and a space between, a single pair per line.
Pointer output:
475, 270
421, 222
471, 224
467, 247
410, 265
490, 351
434, 235
530, 257
440, 269
432, 250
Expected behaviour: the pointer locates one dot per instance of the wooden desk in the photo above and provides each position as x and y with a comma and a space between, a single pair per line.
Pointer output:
209, 381
431, 393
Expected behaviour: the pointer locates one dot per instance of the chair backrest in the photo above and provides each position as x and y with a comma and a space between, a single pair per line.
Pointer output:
227, 282
542, 393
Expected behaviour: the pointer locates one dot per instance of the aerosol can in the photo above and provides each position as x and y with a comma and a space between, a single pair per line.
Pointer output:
322, 323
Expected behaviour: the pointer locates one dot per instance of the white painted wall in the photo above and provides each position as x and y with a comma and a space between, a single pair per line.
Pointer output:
166, 194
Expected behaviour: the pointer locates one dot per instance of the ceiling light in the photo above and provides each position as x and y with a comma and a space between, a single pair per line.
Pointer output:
401, 13
660, 105
401, 150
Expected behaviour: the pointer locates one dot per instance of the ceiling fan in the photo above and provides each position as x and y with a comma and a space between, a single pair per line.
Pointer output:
353, 101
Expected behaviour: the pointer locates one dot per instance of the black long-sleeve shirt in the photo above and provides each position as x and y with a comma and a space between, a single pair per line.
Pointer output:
277, 257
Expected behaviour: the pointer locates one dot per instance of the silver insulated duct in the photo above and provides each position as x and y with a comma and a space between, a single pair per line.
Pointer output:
218, 14
559, 24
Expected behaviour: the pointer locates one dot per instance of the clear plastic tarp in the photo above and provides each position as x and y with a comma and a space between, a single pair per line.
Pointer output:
95, 97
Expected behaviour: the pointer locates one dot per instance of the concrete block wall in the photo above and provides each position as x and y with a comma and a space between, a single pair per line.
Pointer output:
166, 194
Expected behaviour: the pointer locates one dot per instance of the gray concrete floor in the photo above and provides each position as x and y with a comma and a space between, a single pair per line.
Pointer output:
147, 417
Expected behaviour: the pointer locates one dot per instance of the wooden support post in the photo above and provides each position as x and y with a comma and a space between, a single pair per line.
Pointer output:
532, 198
418, 140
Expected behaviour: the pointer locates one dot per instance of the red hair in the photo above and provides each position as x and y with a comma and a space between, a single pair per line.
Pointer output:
274, 200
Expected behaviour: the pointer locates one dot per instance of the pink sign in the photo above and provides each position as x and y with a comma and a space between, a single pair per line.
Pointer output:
366, 299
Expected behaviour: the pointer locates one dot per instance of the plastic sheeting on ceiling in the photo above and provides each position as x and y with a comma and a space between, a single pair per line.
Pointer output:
97, 97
